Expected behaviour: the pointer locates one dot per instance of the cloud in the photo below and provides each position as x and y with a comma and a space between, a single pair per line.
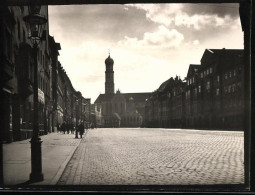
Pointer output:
149, 42
196, 16
163, 38
196, 42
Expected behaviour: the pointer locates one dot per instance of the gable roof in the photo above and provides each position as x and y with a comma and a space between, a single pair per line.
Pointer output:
193, 68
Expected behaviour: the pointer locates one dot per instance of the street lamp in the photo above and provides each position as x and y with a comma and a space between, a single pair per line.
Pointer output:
76, 112
35, 23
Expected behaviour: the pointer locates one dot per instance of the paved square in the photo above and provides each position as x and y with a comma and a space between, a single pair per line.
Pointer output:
144, 156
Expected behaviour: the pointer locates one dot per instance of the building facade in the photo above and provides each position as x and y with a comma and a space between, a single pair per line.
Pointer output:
17, 79
211, 98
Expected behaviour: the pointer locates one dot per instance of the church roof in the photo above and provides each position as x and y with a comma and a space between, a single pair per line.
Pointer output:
138, 97
104, 98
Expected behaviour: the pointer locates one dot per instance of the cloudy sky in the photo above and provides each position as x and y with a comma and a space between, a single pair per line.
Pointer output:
149, 43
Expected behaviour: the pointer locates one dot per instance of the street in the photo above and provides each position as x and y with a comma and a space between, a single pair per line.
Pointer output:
141, 156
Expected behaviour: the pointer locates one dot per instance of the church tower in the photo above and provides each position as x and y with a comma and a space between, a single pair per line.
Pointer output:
109, 75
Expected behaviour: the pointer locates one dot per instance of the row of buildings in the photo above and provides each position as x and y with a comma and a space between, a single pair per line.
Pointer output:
210, 97
58, 100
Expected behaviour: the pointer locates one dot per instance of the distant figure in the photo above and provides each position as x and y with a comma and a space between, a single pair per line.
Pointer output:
81, 129
63, 127
68, 128
58, 128
72, 128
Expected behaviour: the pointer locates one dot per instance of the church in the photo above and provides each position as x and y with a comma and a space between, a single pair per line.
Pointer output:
119, 109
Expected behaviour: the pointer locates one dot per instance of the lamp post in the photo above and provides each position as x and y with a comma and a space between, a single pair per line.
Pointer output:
35, 22
76, 112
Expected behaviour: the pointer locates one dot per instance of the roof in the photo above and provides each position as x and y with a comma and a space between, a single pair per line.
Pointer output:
138, 97
193, 68
223, 58
104, 98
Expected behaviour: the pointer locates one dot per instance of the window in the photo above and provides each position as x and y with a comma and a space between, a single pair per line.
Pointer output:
199, 89
226, 90
218, 78
8, 45
193, 79
18, 29
188, 82
233, 87
195, 92
226, 76
204, 73
208, 86
217, 91
234, 73
208, 71
229, 88
230, 74
201, 75
211, 70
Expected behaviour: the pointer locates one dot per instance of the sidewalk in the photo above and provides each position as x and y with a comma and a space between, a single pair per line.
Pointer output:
57, 150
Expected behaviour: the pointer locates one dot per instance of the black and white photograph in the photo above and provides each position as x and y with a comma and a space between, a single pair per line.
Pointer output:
126, 97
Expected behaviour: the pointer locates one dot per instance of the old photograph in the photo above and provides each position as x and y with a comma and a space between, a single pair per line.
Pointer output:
134, 94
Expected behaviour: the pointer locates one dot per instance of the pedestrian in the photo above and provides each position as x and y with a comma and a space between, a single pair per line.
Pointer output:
68, 128
63, 127
58, 128
81, 129
72, 128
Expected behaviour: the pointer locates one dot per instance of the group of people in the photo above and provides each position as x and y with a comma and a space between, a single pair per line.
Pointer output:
66, 128
69, 127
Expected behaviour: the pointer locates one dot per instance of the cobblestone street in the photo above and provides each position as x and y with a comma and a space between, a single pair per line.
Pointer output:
156, 157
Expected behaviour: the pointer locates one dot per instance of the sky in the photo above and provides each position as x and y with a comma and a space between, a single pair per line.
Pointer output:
149, 43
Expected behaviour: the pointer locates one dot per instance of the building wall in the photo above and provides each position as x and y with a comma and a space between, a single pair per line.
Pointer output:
212, 97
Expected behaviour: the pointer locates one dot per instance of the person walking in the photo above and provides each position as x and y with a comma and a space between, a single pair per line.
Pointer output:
63, 127
72, 128
58, 128
81, 129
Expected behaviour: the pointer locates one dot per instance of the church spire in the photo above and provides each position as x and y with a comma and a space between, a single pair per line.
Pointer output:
109, 75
